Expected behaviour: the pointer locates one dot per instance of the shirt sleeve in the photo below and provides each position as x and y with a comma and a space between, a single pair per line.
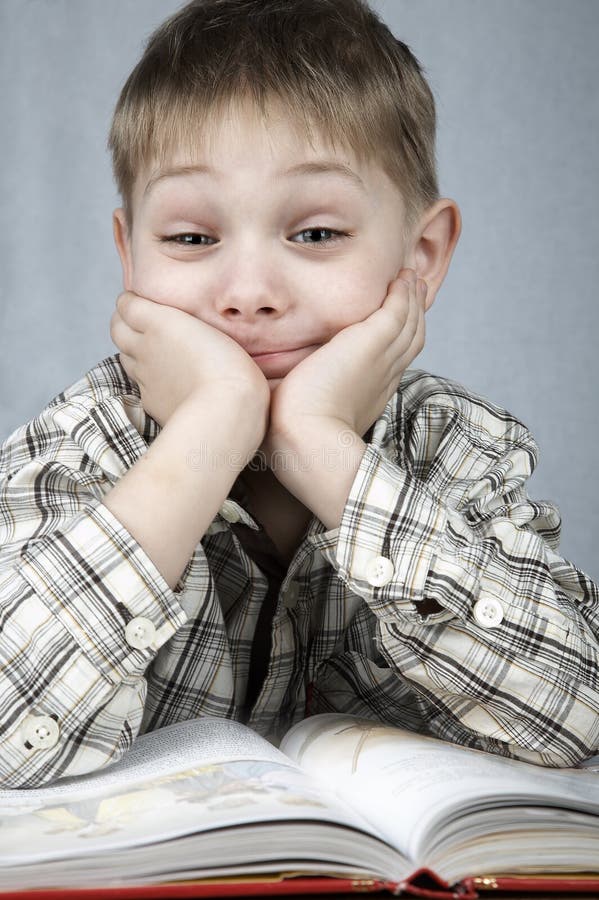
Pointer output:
83, 610
476, 610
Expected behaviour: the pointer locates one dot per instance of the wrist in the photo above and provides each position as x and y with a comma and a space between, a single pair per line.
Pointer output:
318, 465
228, 417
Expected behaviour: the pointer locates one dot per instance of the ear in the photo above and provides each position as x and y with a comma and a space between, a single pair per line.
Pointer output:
433, 242
123, 245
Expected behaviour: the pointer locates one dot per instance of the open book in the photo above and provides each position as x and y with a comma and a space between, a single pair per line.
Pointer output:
211, 806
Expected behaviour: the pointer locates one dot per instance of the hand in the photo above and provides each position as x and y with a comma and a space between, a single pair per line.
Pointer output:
173, 356
351, 378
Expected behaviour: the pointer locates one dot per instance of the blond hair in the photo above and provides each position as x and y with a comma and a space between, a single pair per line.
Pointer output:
333, 65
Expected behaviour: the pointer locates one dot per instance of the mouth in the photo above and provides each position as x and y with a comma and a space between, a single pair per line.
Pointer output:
280, 361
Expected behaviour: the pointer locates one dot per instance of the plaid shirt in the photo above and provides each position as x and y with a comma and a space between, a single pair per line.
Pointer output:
440, 603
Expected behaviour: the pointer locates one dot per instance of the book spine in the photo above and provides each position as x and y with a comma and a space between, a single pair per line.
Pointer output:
427, 884
531, 884
284, 886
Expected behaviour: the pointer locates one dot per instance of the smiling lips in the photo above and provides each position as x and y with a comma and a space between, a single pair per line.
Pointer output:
279, 361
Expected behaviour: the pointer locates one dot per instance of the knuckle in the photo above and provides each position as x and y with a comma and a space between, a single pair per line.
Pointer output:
126, 299
406, 275
390, 312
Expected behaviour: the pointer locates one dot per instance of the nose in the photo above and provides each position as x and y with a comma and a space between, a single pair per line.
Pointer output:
249, 292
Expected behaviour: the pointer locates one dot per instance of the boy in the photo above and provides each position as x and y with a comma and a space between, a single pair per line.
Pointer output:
256, 509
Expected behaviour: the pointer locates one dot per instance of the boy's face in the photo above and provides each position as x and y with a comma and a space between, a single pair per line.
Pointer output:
248, 247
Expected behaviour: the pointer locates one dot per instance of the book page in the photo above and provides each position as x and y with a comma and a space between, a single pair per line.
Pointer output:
190, 777
409, 785
195, 742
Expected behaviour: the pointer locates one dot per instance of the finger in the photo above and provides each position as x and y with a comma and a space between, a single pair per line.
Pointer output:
402, 302
122, 335
414, 325
417, 290
408, 312
420, 335
130, 307
411, 342
407, 275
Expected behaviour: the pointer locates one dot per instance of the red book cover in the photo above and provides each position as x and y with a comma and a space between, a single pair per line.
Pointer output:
422, 883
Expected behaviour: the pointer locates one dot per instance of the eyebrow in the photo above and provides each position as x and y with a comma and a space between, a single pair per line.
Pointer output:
324, 167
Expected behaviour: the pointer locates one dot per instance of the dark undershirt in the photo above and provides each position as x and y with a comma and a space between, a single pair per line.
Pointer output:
260, 548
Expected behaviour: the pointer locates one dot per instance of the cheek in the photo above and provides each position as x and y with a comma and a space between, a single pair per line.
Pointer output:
354, 300
158, 281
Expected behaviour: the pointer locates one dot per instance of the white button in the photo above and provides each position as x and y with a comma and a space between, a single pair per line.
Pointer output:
40, 731
229, 512
140, 633
291, 596
379, 571
488, 612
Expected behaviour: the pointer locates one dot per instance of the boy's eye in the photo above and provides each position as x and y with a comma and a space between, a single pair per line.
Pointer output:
187, 240
317, 235
318, 230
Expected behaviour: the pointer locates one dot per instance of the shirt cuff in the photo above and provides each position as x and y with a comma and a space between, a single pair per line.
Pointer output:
105, 590
387, 542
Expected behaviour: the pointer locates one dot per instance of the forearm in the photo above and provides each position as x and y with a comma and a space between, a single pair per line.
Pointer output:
508, 663
170, 496
320, 464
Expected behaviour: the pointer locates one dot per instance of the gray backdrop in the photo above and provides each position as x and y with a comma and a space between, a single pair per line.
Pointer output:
517, 320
